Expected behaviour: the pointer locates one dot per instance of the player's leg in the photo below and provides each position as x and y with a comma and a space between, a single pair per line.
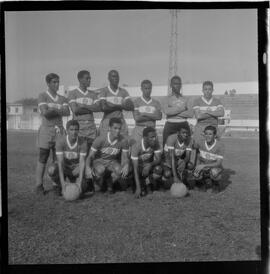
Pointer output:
99, 169
124, 128
198, 133
114, 167
167, 178
103, 127
155, 177
216, 175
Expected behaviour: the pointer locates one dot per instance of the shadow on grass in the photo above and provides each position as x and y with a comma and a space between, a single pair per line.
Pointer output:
225, 181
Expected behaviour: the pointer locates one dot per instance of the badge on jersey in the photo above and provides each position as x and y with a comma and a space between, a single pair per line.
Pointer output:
54, 105
114, 100
110, 150
70, 155
84, 101
147, 109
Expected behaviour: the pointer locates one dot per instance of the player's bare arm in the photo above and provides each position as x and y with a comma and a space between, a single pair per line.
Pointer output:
89, 164
48, 113
172, 157
109, 107
60, 162
219, 112
199, 167
201, 115
82, 170
137, 180
78, 109
124, 163
173, 110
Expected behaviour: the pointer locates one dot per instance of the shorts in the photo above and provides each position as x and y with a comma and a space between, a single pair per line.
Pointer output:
87, 129
109, 165
180, 166
47, 136
104, 127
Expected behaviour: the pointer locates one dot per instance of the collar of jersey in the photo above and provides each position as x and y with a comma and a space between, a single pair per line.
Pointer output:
114, 93
209, 148
143, 147
149, 102
109, 140
53, 98
81, 91
69, 145
207, 102
179, 143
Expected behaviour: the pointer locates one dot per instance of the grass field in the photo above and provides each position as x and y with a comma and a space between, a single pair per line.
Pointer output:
104, 229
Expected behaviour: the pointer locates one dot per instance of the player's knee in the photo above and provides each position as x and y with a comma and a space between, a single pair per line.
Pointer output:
99, 171
167, 182
53, 170
43, 155
215, 174
190, 166
181, 164
197, 176
167, 173
157, 172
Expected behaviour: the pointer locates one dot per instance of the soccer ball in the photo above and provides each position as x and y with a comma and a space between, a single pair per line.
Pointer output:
178, 190
71, 192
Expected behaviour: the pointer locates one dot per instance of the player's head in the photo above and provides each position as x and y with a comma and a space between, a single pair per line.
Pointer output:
210, 133
52, 81
84, 78
115, 125
149, 136
146, 87
72, 128
183, 133
113, 77
176, 84
207, 89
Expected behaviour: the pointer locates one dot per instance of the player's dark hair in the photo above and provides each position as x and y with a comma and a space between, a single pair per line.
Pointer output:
72, 123
176, 77
82, 73
51, 76
147, 130
111, 71
208, 83
211, 128
115, 120
145, 82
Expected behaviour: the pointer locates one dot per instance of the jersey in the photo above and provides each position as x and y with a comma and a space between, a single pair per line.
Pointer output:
173, 143
109, 150
115, 98
87, 98
144, 107
210, 154
142, 154
71, 153
57, 102
202, 104
173, 101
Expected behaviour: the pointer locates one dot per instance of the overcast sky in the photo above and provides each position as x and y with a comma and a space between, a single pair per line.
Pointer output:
218, 45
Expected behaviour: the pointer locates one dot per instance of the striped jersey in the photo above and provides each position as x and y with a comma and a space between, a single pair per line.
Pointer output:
87, 98
71, 153
115, 98
142, 154
178, 147
56, 102
109, 150
173, 101
203, 105
143, 107
210, 154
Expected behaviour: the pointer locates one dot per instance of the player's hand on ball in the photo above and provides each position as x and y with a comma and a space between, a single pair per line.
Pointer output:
176, 180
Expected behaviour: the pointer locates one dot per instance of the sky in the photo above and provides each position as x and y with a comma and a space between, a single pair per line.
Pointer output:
217, 45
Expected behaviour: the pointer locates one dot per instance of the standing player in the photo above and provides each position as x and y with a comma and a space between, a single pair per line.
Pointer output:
146, 111
108, 156
83, 103
71, 152
52, 107
209, 168
146, 157
178, 150
113, 100
176, 109
207, 109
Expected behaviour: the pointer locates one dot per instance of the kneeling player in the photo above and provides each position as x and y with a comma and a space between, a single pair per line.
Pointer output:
70, 151
146, 157
178, 150
108, 157
209, 168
